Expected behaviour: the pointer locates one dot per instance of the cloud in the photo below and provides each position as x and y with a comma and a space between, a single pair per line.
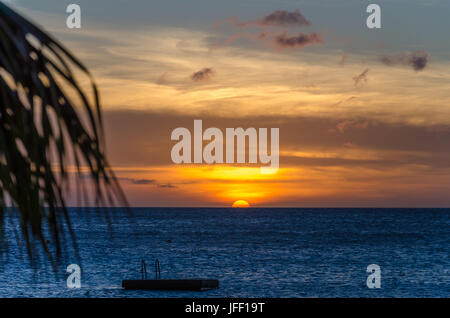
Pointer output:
139, 181
299, 40
202, 75
148, 181
285, 18
142, 181
279, 18
351, 123
270, 35
167, 185
162, 79
345, 101
361, 78
418, 60
343, 59
350, 145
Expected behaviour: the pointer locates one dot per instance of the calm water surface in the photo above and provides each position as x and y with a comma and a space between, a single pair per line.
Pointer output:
253, 253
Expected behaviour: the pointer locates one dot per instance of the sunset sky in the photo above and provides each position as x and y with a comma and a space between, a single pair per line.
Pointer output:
364, 115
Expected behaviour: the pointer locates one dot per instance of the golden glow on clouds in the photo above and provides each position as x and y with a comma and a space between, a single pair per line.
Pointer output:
151, 71
308, 186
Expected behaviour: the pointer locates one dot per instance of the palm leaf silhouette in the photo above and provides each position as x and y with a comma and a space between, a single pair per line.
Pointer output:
47, 135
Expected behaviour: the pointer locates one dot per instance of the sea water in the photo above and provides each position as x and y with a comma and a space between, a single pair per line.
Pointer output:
255, 252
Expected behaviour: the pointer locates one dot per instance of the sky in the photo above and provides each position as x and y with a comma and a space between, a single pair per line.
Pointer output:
363, 113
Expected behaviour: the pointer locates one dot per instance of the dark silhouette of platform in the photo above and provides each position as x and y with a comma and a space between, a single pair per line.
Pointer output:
171, 284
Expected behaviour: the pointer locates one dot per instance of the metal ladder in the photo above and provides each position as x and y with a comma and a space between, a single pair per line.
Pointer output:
144, 270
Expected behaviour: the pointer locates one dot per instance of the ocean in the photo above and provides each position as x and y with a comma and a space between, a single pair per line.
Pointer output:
255, 252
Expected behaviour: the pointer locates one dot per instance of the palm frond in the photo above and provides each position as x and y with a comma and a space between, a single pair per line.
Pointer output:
44, 131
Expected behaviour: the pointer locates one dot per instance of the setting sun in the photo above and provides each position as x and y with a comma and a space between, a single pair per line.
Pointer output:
241, 204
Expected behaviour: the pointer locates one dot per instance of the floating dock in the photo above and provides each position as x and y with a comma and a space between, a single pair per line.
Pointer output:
167, 284
171, 284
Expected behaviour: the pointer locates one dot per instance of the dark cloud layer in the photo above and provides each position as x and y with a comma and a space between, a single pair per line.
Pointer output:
418, 60
299, 40
144, 138
202, 75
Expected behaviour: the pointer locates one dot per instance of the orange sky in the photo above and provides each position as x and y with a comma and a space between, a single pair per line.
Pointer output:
353, 131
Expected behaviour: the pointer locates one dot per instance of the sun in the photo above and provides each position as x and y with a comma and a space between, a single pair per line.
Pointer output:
240, 204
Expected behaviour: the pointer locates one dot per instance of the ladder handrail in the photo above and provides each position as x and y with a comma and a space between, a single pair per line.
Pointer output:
143, 270
157, 270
